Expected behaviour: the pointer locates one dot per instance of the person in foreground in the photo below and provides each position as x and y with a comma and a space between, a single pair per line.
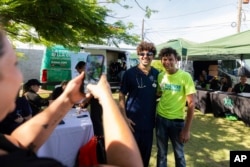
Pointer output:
18, 148
30, 92
177, 89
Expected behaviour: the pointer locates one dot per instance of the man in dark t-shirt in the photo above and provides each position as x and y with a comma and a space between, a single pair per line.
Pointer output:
58, 91
242, 86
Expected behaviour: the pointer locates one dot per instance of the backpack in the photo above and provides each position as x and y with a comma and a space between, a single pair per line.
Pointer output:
93, 153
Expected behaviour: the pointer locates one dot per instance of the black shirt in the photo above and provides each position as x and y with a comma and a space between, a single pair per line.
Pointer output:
56, 93
239, 88
23, 158
35, 101
8, 124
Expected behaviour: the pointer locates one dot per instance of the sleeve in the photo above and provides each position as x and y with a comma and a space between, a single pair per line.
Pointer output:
26, 109
159, 78
43, 102
124, 83
190, 86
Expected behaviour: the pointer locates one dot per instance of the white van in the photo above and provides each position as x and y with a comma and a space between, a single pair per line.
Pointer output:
58, 64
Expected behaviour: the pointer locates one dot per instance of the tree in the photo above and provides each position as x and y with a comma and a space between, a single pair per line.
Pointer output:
65, 22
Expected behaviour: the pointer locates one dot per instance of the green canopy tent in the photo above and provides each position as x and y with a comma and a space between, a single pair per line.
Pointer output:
231, 47
180, 45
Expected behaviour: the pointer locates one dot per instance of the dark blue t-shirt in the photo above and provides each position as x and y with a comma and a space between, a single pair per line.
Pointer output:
8, 124
141, 97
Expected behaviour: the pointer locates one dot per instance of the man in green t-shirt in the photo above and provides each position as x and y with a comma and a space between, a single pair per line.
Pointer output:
176, 88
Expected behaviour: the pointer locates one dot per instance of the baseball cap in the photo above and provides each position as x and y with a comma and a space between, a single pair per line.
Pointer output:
33, 82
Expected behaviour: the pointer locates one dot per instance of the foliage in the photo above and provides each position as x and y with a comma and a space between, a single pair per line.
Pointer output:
65, 22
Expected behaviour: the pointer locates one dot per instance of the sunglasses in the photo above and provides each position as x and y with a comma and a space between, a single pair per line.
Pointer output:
147, 54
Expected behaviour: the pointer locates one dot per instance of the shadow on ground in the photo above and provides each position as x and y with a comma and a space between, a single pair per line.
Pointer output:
211, 141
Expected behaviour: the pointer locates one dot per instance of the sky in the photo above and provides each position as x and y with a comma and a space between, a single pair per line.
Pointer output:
194, 20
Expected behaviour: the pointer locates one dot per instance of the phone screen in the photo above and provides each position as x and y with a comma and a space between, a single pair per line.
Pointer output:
93, 69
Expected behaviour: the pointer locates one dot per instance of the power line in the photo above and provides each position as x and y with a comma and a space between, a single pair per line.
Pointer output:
187, 14
190, 27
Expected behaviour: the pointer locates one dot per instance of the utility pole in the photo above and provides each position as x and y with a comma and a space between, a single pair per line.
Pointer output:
142, 31
239, 15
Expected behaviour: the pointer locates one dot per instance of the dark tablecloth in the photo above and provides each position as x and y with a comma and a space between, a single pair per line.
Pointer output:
203, 101
223, 103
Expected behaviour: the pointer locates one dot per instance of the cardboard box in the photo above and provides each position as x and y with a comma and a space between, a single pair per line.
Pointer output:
213, 67
213, 73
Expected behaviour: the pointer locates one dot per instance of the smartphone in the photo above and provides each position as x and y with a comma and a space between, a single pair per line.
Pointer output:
93, 70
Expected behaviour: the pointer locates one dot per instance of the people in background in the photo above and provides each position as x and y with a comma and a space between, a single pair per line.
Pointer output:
80, 66
201, 83
214, 83
21, 113
137, 99
114, 69
242, 86
206, 76
19, 148
177, 91
30, 89
122, 71
58, 90
225, 84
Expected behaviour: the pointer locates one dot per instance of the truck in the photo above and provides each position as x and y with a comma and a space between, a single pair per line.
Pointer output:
58, 64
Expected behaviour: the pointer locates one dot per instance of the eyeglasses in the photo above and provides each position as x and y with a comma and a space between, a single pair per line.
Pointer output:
147, 54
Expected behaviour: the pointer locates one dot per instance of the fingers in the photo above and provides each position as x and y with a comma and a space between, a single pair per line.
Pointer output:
183, 140
102, 88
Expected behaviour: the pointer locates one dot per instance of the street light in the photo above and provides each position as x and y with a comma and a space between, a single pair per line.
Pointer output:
240, 13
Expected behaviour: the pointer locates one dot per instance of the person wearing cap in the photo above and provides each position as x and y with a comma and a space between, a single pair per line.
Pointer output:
31, 87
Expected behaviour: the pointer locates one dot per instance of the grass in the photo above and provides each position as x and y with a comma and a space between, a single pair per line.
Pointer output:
211, 141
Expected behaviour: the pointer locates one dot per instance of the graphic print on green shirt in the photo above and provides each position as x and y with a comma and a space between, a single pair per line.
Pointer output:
174, 90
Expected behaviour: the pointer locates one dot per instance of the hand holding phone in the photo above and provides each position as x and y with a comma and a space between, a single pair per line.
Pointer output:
93, 70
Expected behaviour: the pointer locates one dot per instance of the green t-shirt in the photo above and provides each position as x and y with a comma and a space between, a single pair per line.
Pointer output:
174, 90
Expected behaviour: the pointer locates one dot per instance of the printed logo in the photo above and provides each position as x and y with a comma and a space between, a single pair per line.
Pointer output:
228, 102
